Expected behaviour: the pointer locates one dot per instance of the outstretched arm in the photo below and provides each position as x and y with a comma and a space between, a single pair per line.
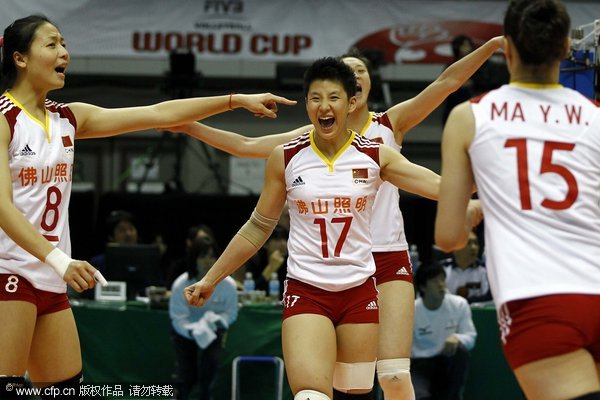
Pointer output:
406, 115
245, 244
94, 122
413, 178
236, 144
455, 214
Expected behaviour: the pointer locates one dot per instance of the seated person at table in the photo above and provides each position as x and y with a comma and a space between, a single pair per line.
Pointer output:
121, 229
466, 275
443, 335
198, 333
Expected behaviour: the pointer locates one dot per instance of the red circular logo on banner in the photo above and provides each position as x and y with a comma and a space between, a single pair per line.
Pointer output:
426, 42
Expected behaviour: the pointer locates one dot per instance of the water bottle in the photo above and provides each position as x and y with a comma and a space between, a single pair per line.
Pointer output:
249, 285
413, 253
274, 288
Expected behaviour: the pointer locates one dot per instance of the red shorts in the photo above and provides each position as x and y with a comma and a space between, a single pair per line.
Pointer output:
357, 305
15, 287
392, 266
547, 326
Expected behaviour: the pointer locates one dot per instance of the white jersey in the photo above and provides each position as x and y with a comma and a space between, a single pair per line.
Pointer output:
536, 162
330, 205
432, 327
387, 223
41, 166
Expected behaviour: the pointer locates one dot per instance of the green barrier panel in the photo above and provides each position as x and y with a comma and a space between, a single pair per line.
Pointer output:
128, 343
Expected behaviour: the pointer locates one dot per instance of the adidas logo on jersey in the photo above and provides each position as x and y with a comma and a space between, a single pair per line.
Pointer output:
298, 182
372, 305
402, 271
26, 151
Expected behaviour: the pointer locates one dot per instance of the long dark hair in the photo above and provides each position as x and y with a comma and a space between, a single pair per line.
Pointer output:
538, 28
18, 36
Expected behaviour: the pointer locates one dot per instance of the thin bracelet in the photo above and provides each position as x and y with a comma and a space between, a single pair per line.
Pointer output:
230, 96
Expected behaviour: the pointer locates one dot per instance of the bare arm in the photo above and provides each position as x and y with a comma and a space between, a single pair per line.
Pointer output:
94, 122
453, 223
236, 144
239, 250
413, 178
408, 114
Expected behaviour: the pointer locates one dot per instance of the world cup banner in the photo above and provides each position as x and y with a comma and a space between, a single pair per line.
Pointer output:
267, 30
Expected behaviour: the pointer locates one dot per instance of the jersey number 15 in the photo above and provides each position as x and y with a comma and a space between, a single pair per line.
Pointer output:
546, 166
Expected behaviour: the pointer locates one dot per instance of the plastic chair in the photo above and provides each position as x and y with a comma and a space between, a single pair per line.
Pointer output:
235, 384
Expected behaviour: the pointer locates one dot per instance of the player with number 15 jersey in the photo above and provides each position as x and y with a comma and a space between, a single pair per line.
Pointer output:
542, 142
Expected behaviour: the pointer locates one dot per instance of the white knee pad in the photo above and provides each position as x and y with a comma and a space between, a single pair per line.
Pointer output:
353, 376
310, 395
394, 378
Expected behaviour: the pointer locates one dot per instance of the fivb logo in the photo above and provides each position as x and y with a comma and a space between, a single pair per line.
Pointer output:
223, 6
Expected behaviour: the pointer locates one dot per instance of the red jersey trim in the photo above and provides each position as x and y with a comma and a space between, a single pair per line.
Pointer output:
367, 146
10, 111
293, 147
383, 119
63, 110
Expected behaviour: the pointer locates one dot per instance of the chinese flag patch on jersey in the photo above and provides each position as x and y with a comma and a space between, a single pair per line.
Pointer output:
360, 173
67, 141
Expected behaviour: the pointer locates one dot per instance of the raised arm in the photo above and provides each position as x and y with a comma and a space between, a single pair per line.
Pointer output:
453, 223
93, 121
251, 236
408, 114
237, 144
413, 178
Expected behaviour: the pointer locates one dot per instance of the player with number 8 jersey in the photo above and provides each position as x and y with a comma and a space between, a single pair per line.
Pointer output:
38, 334
41, 168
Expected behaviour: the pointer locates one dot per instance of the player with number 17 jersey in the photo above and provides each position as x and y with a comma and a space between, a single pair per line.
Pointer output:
535, 152
41, 165
330, 203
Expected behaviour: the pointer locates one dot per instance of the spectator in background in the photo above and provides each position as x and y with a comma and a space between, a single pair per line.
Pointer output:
121, 229
198, 333
443, 335
180, 265
271, 258
466, 275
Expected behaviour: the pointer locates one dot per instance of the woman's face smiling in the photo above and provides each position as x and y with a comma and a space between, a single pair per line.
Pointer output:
328, 106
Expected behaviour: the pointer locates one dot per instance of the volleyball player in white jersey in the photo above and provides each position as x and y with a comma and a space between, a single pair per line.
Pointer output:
38, 331
329, 177
533, 149
394, 271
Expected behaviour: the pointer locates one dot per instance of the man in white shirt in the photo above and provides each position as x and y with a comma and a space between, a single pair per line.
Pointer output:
443, 335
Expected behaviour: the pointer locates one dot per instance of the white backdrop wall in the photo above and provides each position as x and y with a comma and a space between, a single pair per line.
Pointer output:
246, 37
